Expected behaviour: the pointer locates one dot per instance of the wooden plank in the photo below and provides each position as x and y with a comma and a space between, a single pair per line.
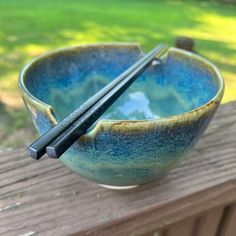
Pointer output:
171, 212
182, 228
45, 197
154, 233
228, 226
208, 223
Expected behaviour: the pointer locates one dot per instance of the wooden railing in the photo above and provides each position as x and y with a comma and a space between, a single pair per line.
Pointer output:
196, 198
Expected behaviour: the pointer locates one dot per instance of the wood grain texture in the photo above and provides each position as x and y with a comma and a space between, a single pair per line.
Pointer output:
154, 233
208, 224
183, 228
45, 198
228, 226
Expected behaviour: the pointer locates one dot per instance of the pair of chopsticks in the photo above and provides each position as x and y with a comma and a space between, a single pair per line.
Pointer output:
58, 139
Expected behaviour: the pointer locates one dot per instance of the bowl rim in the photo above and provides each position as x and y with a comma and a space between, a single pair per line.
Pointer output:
191, 114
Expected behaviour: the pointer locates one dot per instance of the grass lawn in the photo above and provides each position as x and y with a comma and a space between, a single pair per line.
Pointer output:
30, 27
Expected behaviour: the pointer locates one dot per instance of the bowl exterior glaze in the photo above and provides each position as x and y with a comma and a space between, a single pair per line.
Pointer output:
126, 152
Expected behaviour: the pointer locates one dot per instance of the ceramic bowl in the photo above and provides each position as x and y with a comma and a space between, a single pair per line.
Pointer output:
146, 131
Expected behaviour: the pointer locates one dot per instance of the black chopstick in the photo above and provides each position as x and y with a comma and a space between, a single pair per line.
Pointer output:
38, 148
78, 128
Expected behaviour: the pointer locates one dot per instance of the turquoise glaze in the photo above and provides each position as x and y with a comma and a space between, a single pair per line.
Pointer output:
147, 130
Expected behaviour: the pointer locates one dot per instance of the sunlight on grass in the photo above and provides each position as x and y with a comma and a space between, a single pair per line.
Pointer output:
214, 27
219, 32
94, 32
32, 50
1, 50
8, 83
11, 99
10, 95
75, 37
230, 87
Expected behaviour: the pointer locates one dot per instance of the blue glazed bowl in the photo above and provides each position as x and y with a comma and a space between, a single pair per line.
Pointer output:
146, 131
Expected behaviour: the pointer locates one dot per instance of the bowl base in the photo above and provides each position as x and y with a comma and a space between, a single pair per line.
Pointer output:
118, 187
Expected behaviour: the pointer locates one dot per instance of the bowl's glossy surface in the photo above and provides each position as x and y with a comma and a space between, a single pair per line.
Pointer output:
158, 119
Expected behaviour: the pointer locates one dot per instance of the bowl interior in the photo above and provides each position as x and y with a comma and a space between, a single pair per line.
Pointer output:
68, 78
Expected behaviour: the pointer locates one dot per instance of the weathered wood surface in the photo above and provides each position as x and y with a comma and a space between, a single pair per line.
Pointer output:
228, 226
209, 223
45, 198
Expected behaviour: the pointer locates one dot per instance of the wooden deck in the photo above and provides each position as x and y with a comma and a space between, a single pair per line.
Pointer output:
196, 198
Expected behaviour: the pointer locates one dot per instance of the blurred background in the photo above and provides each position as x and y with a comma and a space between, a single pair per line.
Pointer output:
29, 28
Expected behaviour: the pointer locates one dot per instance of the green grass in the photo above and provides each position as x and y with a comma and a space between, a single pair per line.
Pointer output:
30, 27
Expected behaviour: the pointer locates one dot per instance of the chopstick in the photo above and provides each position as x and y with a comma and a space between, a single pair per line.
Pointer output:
38, 148
78, 128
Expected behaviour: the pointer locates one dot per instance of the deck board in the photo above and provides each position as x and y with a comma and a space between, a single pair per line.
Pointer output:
45, 198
